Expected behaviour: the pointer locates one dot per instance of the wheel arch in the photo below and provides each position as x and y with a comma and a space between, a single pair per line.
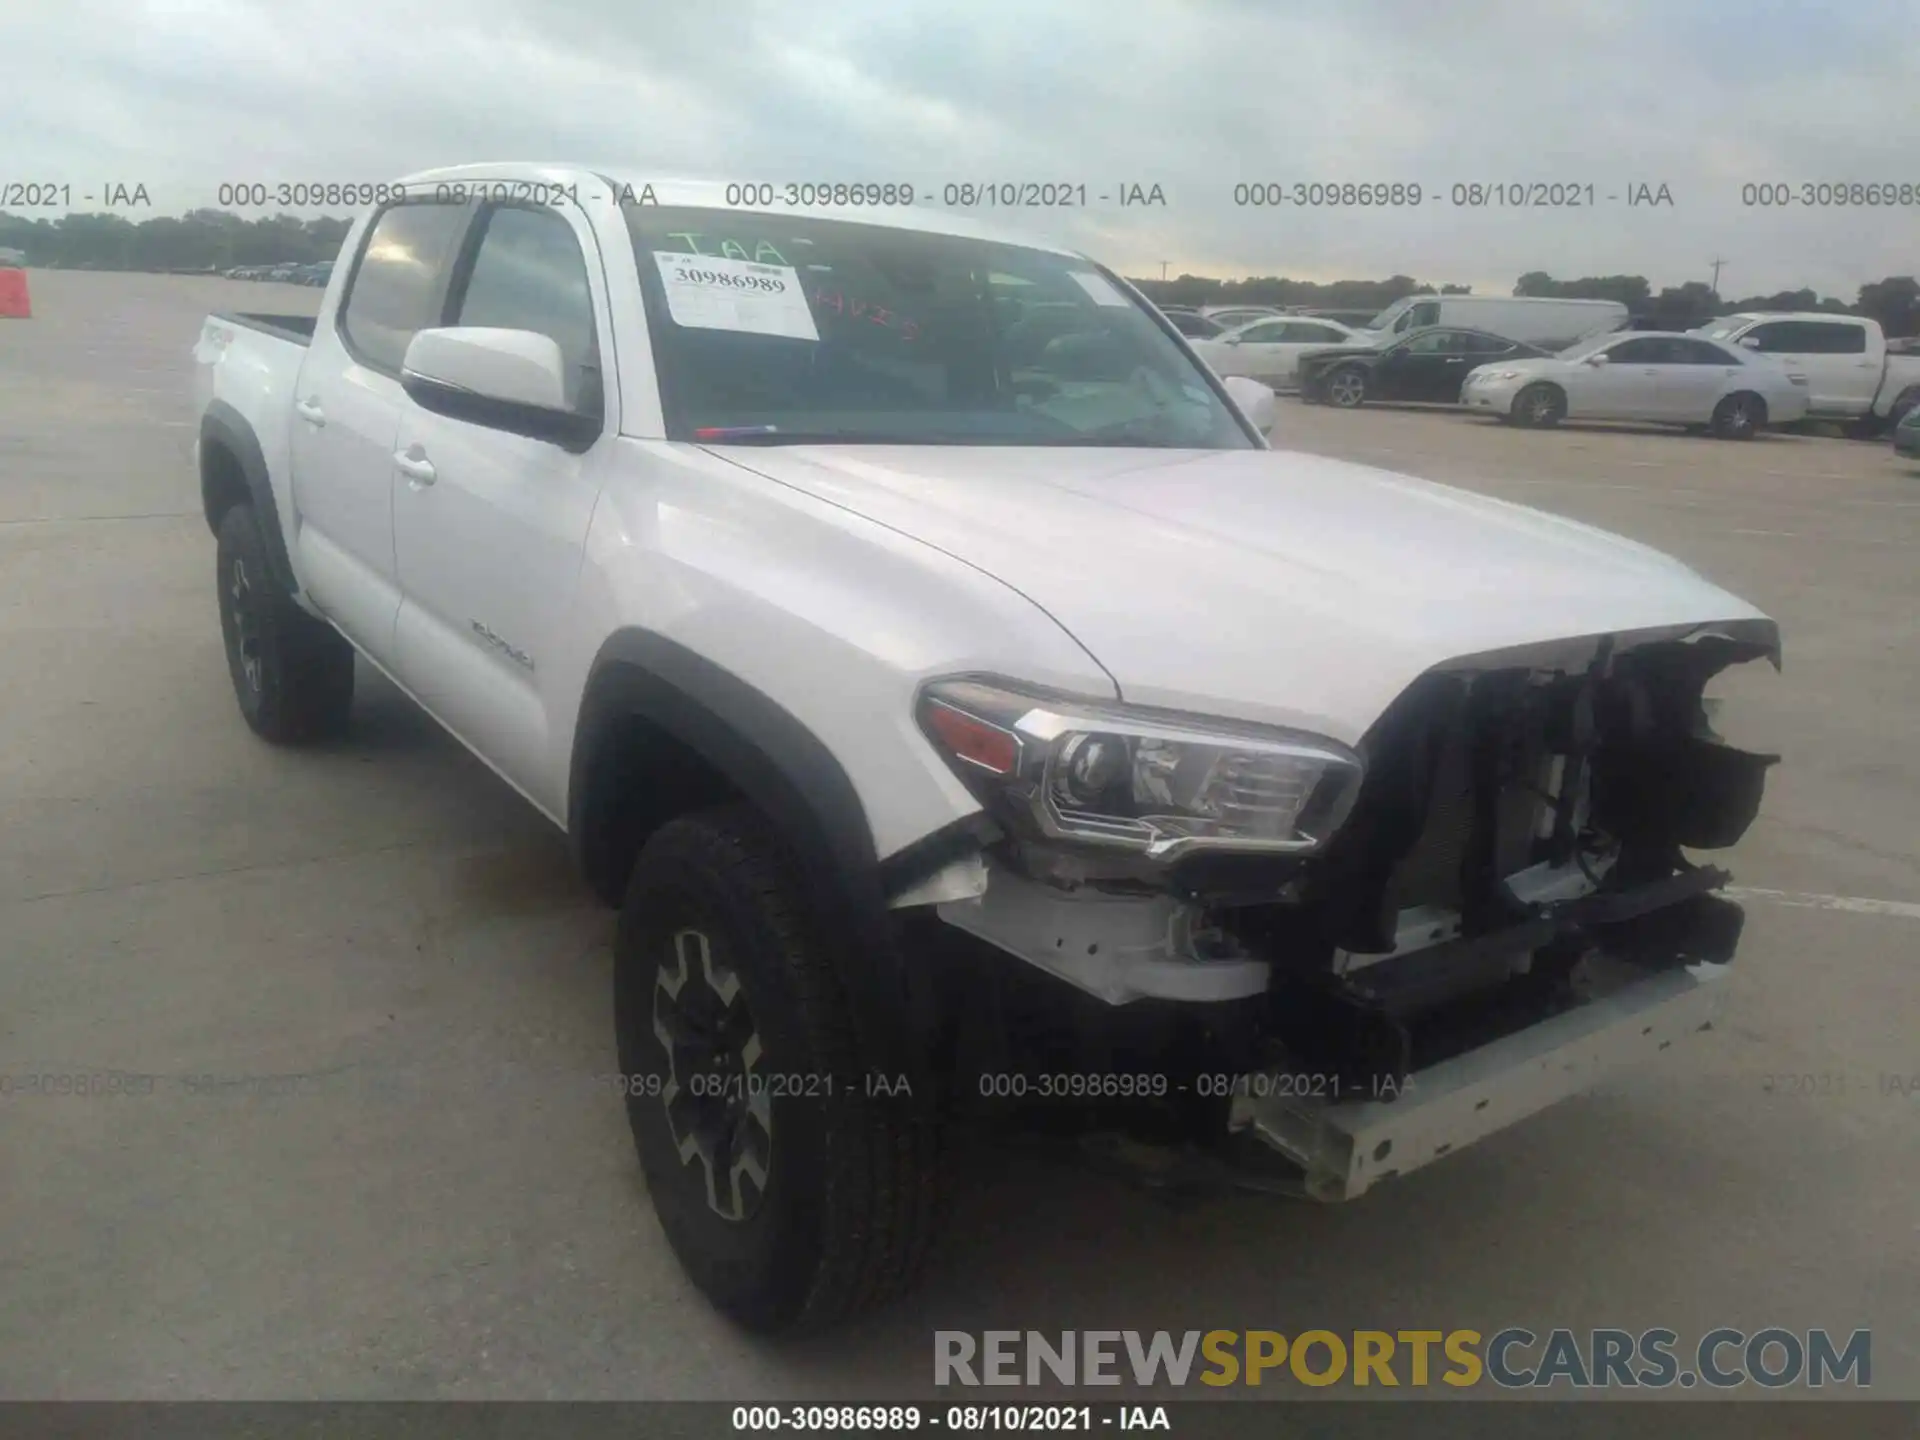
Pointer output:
653, 708
233, 471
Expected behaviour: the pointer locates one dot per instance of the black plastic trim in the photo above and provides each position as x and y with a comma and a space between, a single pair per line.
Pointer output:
224, 427
790, 774
932, 852
573, 431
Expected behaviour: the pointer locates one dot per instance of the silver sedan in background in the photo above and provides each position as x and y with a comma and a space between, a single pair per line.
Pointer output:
1659, 376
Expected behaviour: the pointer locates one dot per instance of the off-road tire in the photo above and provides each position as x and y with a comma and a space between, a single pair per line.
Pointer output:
854, 1192
292, 674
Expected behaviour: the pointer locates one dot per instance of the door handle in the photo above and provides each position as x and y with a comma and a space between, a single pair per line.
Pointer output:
310, 411
417, 468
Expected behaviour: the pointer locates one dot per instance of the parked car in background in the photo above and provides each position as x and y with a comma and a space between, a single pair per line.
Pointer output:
1671, 378
1352, 319
1906, 435
1428, 365
1908, 346
1192, 324
1548, 324
1228, 316
1269, 350
1851, 374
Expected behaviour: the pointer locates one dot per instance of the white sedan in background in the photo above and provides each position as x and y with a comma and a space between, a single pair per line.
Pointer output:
1269, 350
1664, 377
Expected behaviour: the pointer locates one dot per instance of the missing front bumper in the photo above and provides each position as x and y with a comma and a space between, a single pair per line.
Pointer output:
1346, 1146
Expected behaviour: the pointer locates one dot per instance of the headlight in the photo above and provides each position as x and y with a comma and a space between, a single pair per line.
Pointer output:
1502, 375
1119, 776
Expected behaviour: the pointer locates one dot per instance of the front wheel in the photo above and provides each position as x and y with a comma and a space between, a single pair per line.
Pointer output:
292, 673
1347, 387
792, 1193
1539, 407
1739, 417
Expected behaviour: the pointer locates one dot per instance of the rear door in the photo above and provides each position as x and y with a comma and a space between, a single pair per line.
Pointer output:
346, 412
1833, 354
1703, 375
490, 526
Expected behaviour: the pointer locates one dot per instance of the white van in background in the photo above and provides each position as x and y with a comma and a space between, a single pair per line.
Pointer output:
1550, 324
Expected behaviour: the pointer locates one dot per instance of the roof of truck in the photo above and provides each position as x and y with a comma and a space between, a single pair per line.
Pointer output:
711, 194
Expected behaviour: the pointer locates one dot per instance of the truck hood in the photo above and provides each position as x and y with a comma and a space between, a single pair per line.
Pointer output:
1263, 585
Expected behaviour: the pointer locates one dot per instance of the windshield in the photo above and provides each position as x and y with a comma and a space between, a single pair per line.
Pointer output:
1384, 320
771, 329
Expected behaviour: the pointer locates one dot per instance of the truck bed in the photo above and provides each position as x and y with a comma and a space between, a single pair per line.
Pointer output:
297, 328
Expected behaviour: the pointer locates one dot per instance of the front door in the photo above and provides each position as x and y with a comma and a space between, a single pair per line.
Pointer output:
489, 526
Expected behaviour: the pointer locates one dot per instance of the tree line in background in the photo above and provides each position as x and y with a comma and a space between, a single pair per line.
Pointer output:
203, 240
200, 240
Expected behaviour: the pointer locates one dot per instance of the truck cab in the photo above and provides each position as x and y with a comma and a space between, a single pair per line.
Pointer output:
1850, 372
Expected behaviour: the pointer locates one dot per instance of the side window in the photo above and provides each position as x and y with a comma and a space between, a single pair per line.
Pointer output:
528, 274
1829, 339
1780, 338
1483, 344
1641, 352
1699, 352
1434, 342
1271, 333
397, 288
1320, 335
1427, 312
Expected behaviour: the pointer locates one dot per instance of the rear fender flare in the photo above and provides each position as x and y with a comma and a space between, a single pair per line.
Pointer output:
225, 428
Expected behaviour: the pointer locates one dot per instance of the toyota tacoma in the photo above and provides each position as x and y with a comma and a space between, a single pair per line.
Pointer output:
966, 708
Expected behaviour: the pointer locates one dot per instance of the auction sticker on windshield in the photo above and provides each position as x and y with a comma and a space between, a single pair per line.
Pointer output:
707, 292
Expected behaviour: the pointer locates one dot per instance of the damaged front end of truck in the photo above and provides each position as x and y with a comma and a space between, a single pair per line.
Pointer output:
1481, 908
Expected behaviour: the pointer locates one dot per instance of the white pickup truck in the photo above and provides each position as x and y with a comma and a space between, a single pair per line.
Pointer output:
967, 709
1850, 373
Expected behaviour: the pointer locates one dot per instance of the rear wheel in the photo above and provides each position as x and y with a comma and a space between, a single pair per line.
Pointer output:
793, 1195
292, 673
1539, 407
1740, 416
1347, 387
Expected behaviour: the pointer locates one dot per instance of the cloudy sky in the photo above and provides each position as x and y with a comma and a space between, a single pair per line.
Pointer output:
1196, 96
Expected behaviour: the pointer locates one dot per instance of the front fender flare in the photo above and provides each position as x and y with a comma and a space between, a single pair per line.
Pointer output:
777, 763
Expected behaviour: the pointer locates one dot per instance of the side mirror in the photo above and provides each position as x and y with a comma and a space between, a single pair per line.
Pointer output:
1254, 399
1599, 359
1230, 339
512, 380
1749, 342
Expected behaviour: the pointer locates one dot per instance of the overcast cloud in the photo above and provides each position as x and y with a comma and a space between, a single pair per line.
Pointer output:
1192, 95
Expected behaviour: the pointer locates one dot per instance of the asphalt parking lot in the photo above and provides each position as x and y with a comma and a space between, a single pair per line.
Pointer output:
397, 1183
